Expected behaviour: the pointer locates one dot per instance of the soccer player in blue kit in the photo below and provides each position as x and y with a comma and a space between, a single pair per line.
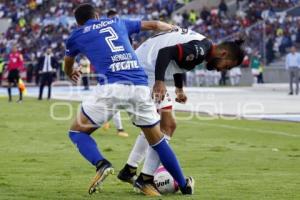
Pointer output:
122, 83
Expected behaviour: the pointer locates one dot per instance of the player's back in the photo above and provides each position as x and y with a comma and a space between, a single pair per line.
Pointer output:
148, 51
105, 42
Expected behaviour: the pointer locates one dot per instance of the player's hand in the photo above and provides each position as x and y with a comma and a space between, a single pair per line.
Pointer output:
180, 96
159, 91
75, 76
175, 28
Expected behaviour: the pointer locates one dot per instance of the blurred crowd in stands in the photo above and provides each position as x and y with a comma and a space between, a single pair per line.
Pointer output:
39, 24
281, 31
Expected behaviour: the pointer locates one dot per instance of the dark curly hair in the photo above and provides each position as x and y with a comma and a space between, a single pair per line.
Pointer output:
235, 49
84, 12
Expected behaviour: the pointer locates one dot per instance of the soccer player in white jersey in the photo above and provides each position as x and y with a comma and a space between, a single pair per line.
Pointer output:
174, 52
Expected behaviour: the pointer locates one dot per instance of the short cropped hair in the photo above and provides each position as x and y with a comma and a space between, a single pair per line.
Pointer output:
84, 12
235, 50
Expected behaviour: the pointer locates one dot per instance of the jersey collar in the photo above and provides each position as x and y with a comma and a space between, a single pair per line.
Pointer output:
90, 21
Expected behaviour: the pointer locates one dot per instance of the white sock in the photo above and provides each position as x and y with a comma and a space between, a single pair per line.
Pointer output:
117, 121
138, 152
152, 160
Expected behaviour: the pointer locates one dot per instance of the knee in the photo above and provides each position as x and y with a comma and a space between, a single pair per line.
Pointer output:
75, 126
82, 124
169, 128
173, 126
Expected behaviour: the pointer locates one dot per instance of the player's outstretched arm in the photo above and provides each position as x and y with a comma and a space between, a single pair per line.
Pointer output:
157, 26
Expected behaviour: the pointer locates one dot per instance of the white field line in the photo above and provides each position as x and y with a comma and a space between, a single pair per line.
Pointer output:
264, 131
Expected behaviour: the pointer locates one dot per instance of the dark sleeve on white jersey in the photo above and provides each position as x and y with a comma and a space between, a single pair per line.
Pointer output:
178, 80
186, 56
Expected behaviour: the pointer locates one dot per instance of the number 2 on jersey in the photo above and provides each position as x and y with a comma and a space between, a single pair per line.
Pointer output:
109, 39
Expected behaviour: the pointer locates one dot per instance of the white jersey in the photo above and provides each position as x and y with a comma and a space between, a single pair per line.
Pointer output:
148, 51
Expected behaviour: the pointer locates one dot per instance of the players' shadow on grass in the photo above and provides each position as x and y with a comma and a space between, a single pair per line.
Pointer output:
264, 169
108, 149
4, 126
295, 149
219, 149
294, 156
66, 174
32, 160
4, 184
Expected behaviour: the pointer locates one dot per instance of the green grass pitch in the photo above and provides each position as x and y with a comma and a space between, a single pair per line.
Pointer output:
229, 159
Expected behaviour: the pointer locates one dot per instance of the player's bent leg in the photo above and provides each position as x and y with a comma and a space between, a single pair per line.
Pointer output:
167, 157
151, 164
152, 161
145, 184
167, 120
83, 124
138, 153
145, 116
79, 134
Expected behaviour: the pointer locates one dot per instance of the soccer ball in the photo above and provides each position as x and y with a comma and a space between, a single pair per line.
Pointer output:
164, 181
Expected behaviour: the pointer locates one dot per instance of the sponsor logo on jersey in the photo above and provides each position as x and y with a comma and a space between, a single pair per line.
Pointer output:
102, 24
126, 65
87, 29
190, 57
201, 51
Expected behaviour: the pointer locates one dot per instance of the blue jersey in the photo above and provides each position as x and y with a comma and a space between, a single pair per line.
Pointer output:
106, 44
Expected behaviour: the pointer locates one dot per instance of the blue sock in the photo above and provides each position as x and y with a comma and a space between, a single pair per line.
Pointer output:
169, 161
86, 146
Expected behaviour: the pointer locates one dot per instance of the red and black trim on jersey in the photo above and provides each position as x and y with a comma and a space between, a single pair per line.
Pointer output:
180, 52
186, 56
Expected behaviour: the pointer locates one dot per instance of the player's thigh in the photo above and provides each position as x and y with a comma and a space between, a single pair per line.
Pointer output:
141, 107
152, 134
143, 113
95, 111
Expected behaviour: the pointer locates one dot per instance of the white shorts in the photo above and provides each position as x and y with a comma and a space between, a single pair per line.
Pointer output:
165, 104
106, 100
